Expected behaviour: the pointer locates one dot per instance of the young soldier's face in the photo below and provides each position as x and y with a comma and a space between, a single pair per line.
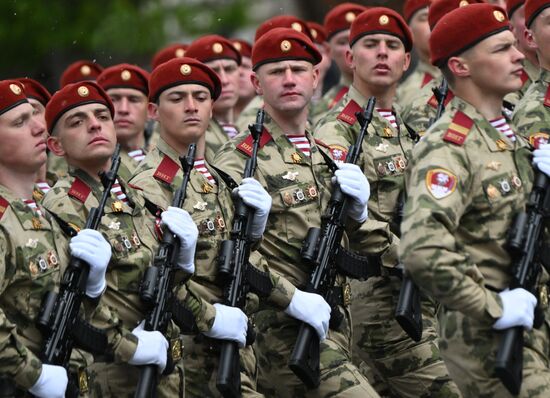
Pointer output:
23, 136
494, 64
85, 135
338, 47
246, 89
420, 30
130, 112
286, 86
183, 112
228, 72
538, 37
378, 60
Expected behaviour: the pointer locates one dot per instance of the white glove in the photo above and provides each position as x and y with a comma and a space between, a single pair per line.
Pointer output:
182, 225
90, 246
254, 195
230, 324
51, 383
312, 309
518, 309
354, 184
152, 348
541, 158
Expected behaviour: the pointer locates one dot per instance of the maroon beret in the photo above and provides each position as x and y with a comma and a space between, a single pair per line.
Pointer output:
244, 47
380, 20
534, 8
12, 94
124, 76
73, 95
282, 21
463, 28
439, 8
212, 47
317, 32
185, 70
512, 6
340, 17
35, 90
282, 44
412, 6
167, 53
80, 71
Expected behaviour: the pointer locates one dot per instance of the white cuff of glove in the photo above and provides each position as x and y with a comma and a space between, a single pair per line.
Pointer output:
254, 195
51, 383
354, 183
541, 158
518, 309
230, 323
152, 348
182, 225
312, 309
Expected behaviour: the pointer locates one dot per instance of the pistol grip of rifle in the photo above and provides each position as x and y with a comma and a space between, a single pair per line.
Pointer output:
305, 357
408, 312
250, 334
509, 359
336, 318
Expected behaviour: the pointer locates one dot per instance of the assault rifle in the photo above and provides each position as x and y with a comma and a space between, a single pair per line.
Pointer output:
158, 283
408, 312
525, 242
322, 248
58, 319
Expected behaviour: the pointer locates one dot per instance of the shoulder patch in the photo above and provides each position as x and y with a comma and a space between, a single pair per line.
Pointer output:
458, 129
538, 139
246, 145
3, 206
79, 190
166, 170
337, 152
547, 98
440, 183
426, 79
433, 101
339, 95
348, 113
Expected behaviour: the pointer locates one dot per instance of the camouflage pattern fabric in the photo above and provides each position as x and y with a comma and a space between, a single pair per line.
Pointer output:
532, 72
328, 101
248, 114
408, 89
407, 368
420, 110
215, 138
531, 116
462, 199
300, 188
56, 168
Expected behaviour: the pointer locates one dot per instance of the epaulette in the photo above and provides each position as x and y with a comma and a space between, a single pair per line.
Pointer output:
320, 143
547, 98
246, 145
166, 170
79, 190
458, 129
3, 206
135, 187
348, 113
426, 79
433, 101
339, 95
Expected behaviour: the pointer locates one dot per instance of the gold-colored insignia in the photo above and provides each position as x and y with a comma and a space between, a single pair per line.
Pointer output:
494, 165
206, 187
463, 3
543, 297
383, 20
37, 195
314, 33
200, 205
33, 268
350, 17
285, 46
492, 192
125, 75
83, 380
346, 294
381, 169
176, 349
74, 226
499, 16
180, 52
502, 145
85, 70
387, 132
296, 26
15, 89
217, 48
83, 91
296, 157
290, 176
185, 69
382, 147
288, 199
237, 45
36, 224
116, 206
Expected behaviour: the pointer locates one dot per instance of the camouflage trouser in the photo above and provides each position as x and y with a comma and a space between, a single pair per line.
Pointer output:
108, 379
277, 334
201, 357
469, 349
396, 365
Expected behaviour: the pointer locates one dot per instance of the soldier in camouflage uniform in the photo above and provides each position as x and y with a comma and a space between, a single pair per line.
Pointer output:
292, 168
34, 252
187, 87
379, 37
127, 87
80, 120
532, 113
468, 178
415, 13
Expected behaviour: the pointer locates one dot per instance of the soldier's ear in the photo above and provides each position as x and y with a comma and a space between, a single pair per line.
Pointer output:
530, 39
55, 146
407, 62
316, 73
458, 67
256, 83
349, 58
153, 111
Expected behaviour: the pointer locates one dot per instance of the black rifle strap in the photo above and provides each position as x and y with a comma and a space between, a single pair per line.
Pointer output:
412, 133
259, 281
89, 337
65, 226
152, 208
357, 266
229, 181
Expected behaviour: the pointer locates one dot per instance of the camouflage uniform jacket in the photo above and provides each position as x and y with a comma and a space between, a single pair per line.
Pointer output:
423, 74
329, 100
532, 114
215, 138
465, 184
529, 75
32, 249
56, 168
300, 188
385, 154
211, 208
248, 114
128, 165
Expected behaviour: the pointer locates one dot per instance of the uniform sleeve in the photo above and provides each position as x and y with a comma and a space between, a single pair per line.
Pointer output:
529, 112
439, 184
